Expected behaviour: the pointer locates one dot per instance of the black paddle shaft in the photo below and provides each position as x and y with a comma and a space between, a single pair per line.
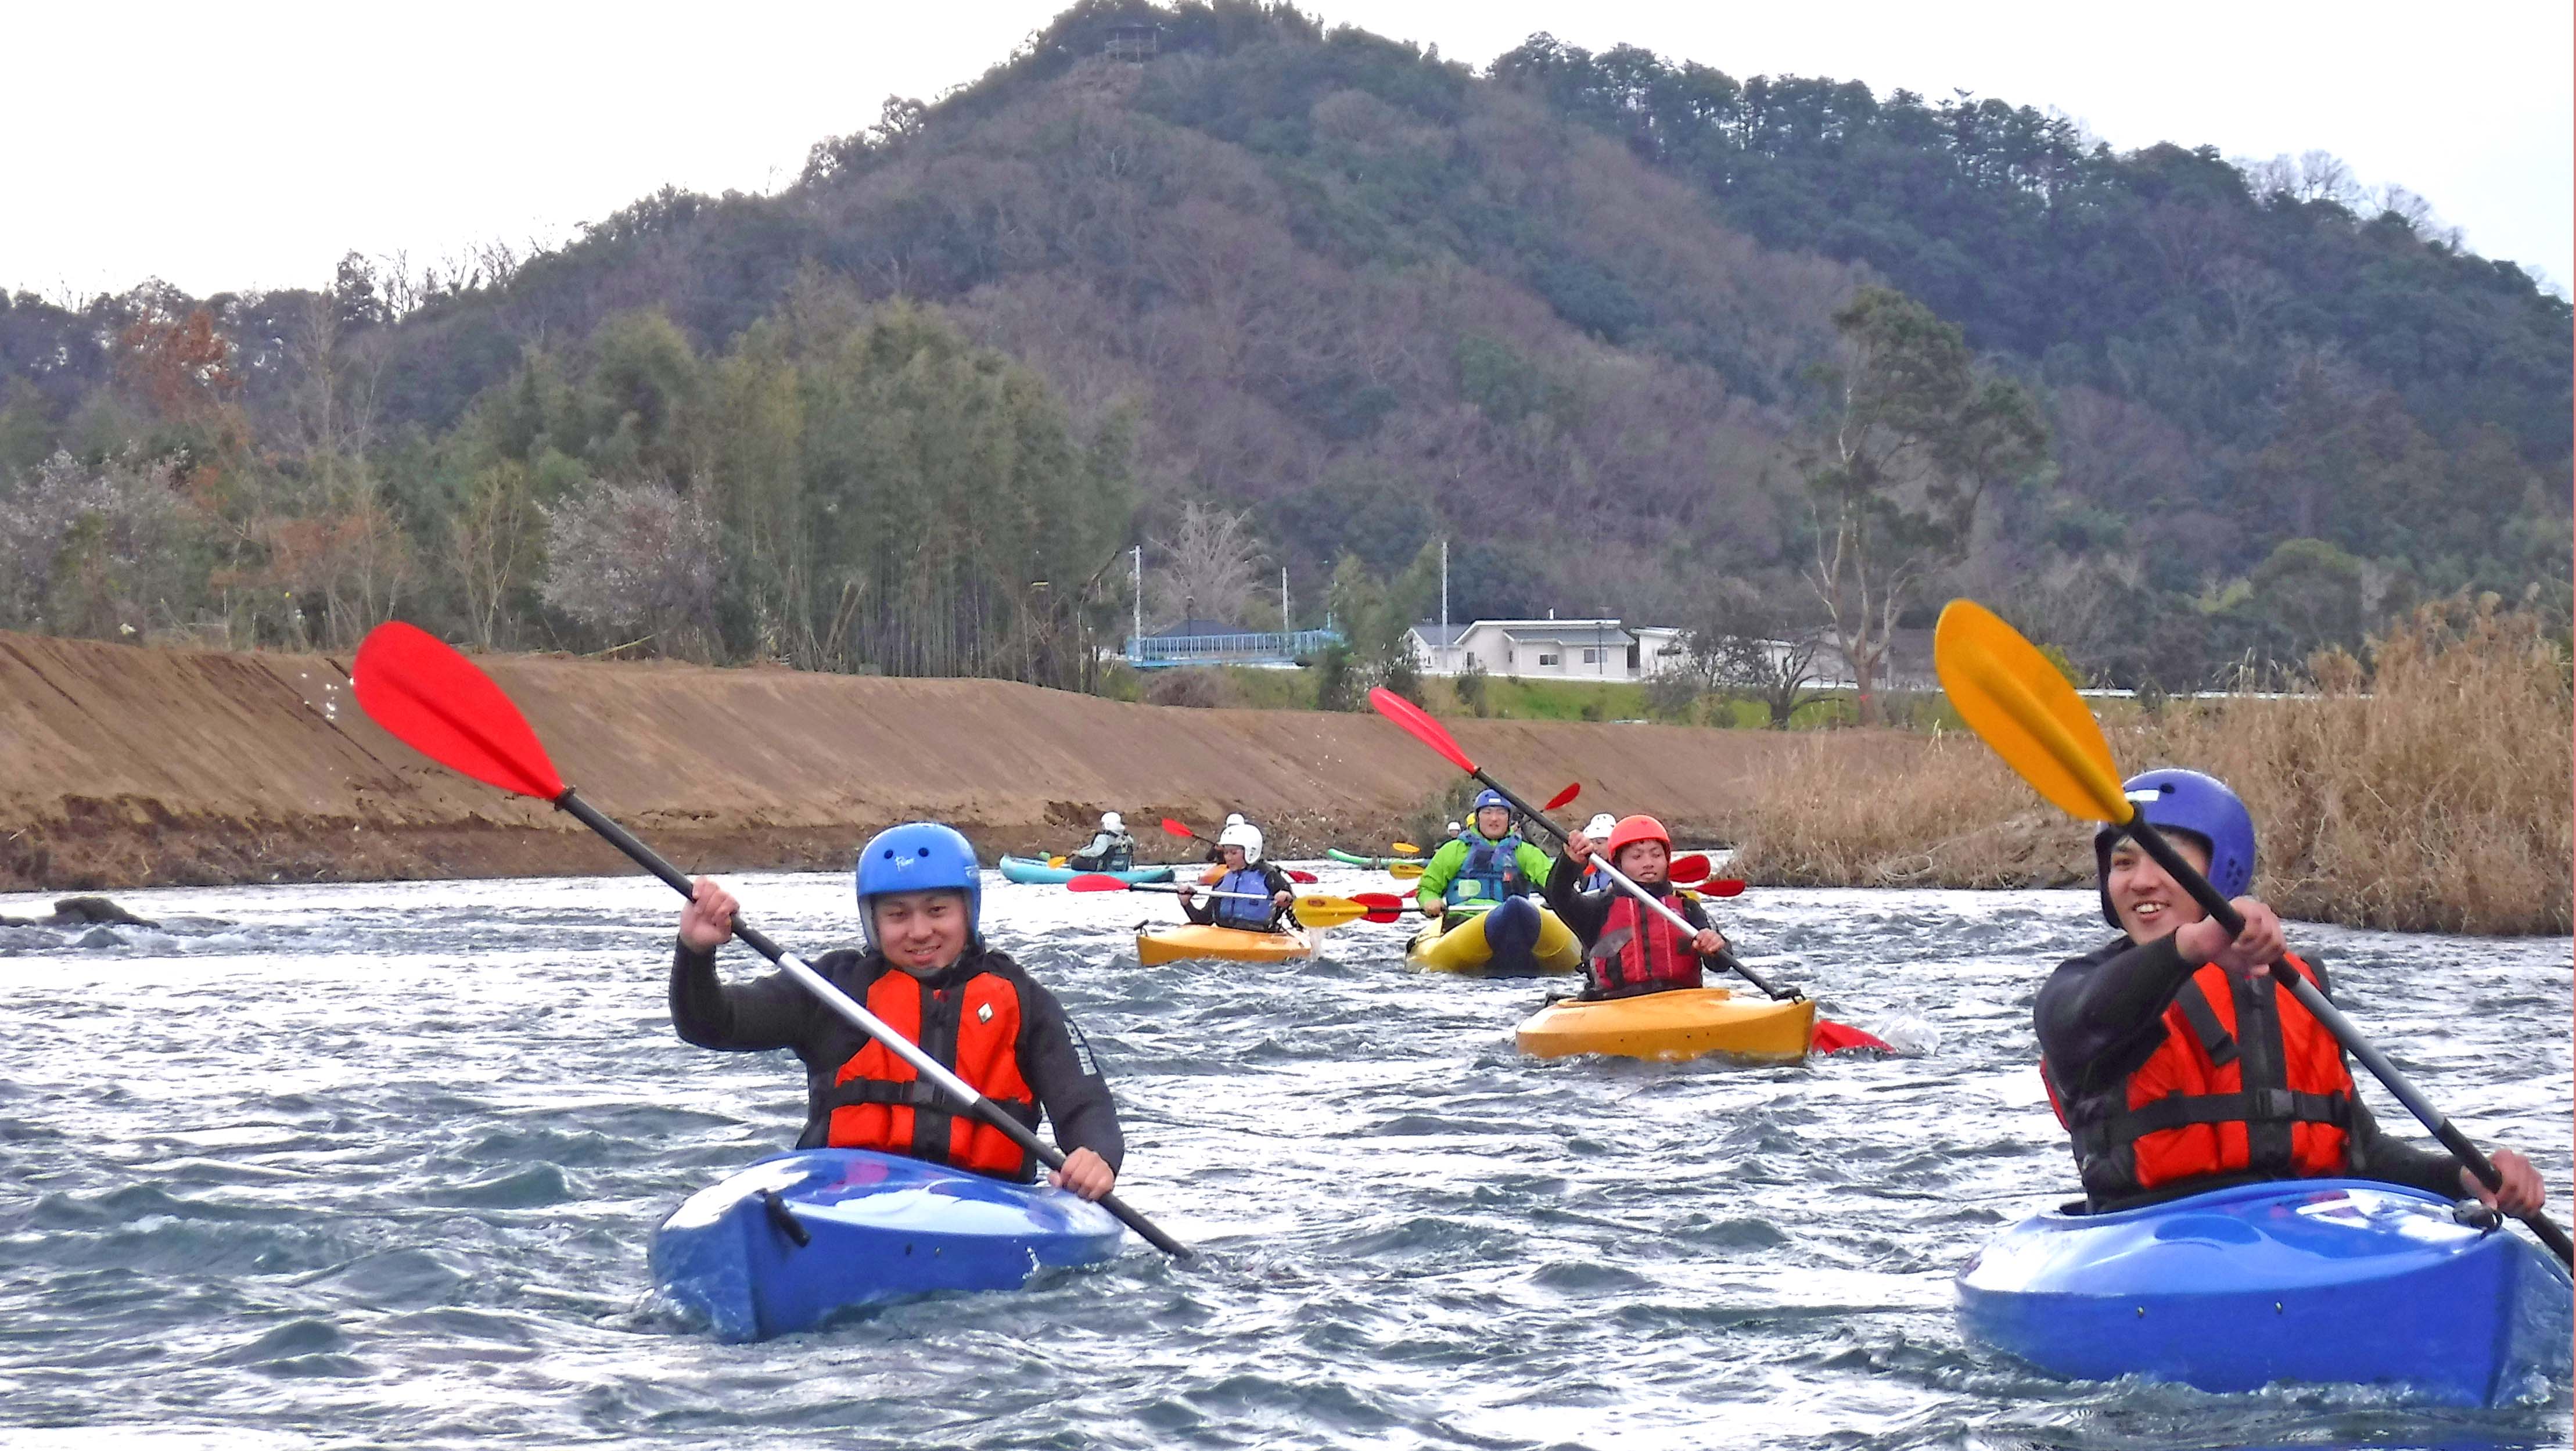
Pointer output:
1722, 957
570, 802
2224, 912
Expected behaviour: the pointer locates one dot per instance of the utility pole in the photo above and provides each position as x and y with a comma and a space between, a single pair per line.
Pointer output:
1448, 646
1140, 600
1287, 621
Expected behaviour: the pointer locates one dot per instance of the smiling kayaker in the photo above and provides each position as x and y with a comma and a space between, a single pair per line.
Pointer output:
2176, 1062
1480, 866
1111, 848
1628, 950
1247, 878
928, 975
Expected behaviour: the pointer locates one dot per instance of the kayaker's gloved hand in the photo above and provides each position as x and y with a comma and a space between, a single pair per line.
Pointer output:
1579, 847
1708, 943
707, 922
1282, 898
2522, 1193
1084, 1173
2254, 949
1188, 894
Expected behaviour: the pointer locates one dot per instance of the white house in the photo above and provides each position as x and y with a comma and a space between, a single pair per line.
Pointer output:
1549, 649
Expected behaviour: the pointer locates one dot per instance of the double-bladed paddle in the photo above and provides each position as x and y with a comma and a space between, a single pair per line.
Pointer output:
1182, 828
437, 702
1830, 1037
2022, 705
1313, 909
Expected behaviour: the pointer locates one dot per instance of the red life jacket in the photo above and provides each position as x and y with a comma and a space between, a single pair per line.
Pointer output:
1639, 952
2246, 1083
973, 1030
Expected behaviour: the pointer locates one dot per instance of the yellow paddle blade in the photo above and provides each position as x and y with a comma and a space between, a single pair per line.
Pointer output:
2018, 703
1323, 911
1055, 861
1406, 847
1406, 870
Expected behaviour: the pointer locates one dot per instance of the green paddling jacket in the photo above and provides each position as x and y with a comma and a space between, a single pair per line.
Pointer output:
1471, 874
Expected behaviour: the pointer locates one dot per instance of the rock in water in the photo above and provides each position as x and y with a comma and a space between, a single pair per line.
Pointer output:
72, 911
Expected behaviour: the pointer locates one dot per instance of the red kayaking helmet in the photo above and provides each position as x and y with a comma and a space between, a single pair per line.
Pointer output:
1634, 829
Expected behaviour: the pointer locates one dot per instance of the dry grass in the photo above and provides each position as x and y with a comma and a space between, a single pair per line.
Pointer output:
2431, 792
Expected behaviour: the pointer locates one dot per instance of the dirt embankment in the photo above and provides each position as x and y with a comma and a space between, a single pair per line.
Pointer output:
123, 767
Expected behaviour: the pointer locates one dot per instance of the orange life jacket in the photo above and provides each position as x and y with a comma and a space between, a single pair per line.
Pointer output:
972, 1029
2245, 1083
1639, 952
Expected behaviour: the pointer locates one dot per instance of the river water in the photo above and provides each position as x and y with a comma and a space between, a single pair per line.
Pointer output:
378, 1164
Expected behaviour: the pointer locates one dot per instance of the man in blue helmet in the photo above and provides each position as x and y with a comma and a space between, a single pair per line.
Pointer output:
926, 974
2175, 1061
1481, 865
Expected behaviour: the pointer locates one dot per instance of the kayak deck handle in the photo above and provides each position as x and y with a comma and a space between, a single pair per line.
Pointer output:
785, 1218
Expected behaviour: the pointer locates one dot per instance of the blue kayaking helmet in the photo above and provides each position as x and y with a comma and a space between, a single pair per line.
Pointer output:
2196, 805
920, 856
1488, 797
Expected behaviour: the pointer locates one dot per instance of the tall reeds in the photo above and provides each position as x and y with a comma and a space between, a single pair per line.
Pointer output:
2428, 790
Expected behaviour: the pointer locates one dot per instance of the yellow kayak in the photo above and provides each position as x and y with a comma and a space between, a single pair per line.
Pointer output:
1518, 938
1232, 944
1671, 1026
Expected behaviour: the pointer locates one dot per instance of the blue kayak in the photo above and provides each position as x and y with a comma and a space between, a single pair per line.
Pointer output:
787, 1242
1035, 870
2320, 1280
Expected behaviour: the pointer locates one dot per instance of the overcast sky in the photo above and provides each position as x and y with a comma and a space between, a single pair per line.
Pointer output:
227, 147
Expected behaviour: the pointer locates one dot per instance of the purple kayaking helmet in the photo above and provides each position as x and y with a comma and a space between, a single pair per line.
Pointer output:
2200, 806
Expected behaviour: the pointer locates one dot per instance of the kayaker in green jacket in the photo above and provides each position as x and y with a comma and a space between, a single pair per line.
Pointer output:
1481, 866
2175, 1060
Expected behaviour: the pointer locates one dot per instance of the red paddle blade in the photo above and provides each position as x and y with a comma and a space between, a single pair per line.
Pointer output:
1721, 887
1564, 797
1382, 906
1095, 882
1833, 1037
436, 702
1419, 724
1303, 879
1175, 828
1686, 870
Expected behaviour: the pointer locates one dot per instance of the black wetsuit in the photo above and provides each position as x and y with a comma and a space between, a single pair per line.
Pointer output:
774, 1011
1587, 913
2101, 1017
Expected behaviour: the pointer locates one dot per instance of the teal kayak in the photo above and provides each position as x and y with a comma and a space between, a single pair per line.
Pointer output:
1035, 870
1373, 863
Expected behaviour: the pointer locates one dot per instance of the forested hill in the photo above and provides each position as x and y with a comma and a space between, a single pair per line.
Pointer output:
1575, 312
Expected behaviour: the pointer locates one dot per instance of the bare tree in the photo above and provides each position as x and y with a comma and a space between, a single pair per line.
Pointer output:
1757, 643
1207, 567
493, 544
633, 557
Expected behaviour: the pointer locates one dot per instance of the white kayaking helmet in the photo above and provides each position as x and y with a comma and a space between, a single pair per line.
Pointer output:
1109, 822
1600, 827
1244, 834
1455, 828
1234, 818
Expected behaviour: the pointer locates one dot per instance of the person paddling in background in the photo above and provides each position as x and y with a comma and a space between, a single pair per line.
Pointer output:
1111, 848
1598, 830
928, 975
1627, 949
1246, 874
2175, 1061
1480, 866
1215, 851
